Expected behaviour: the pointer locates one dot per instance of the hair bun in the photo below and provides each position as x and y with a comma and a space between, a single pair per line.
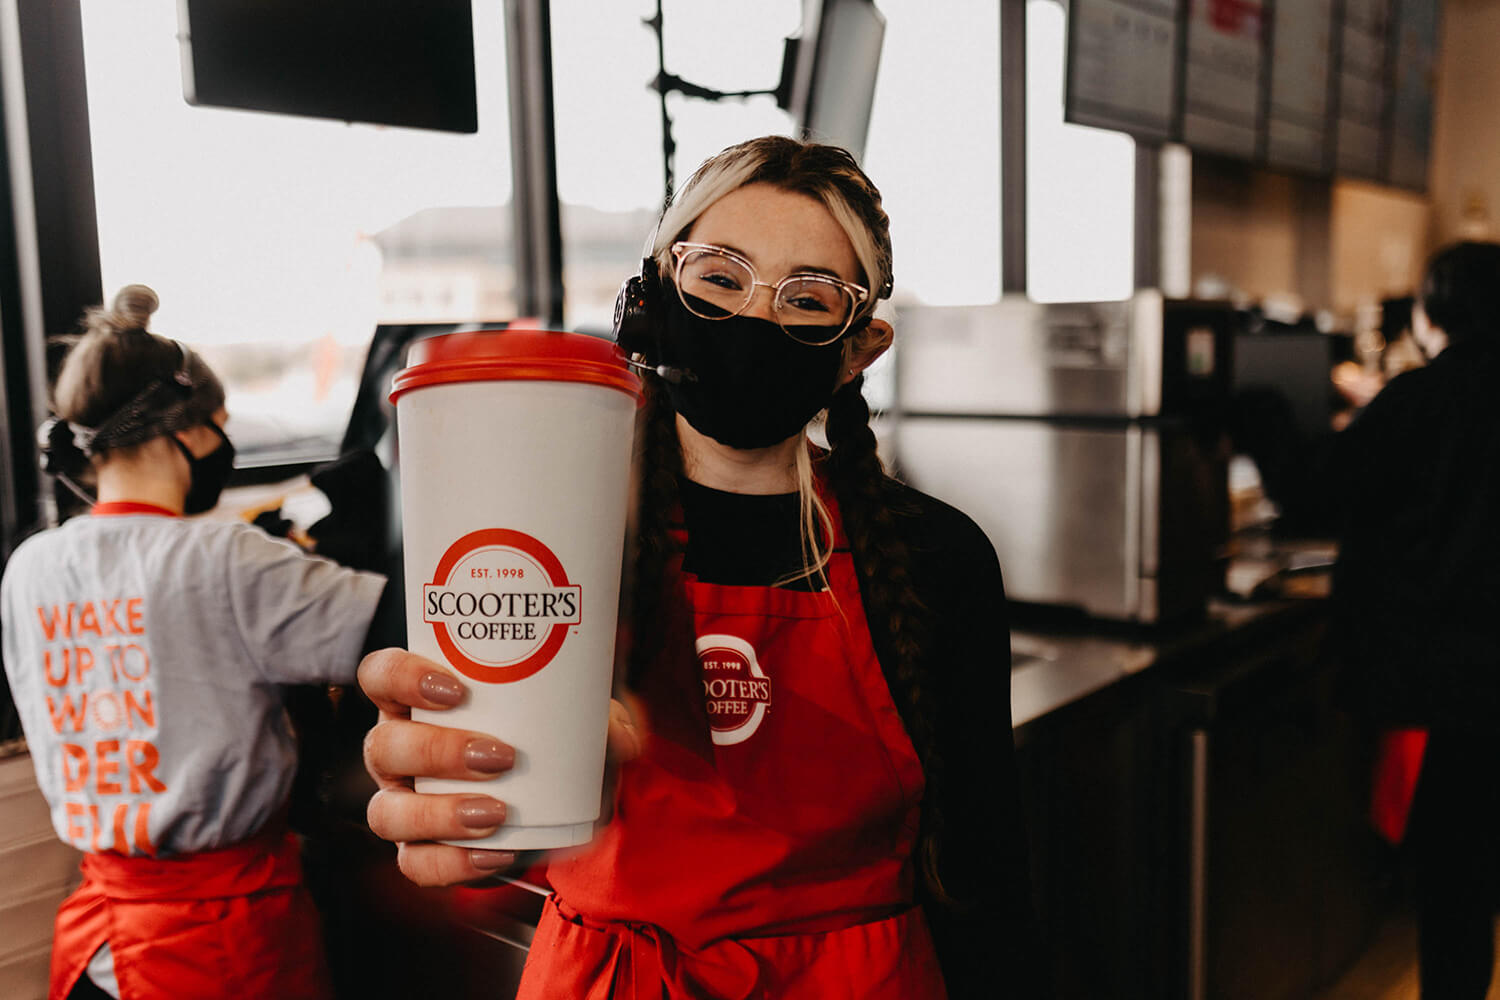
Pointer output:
133, 306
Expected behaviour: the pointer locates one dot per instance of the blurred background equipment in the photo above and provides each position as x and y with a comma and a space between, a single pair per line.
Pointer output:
1084, 438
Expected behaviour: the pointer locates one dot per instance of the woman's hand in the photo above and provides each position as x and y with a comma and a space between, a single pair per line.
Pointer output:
398, 750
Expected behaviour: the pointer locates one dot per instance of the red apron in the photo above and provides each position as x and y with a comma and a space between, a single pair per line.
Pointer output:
762, 844
1398, 765
229, 923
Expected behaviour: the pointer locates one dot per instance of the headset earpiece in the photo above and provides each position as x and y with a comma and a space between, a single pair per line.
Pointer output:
58, 450
637, 311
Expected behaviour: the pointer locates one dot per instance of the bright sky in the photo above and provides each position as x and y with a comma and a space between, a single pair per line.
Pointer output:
255, 227
1080, 195
248, 224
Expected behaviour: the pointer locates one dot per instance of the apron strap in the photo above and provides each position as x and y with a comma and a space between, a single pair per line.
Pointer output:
643, 962
269, 860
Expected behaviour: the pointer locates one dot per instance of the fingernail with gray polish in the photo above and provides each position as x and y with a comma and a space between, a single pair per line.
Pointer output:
488, 756
477, 814
441, 688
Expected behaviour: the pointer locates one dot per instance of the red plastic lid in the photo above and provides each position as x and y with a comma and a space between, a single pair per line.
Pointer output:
511, 354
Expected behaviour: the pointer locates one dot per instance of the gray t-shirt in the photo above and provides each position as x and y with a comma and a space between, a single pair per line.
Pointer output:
144, 653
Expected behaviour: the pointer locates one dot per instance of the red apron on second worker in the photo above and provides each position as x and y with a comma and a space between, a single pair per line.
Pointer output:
235, 922
762, 844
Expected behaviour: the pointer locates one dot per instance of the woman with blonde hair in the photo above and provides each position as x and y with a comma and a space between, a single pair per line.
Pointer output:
818, 793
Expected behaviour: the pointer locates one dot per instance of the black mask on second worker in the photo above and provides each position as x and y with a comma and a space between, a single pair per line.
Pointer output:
750, 385
207, 475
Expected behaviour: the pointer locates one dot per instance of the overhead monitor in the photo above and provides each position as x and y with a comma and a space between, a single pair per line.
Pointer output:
829, 73
1363, 87
1123, 66
390, 62
1415, 59
1296, 125
1221, 102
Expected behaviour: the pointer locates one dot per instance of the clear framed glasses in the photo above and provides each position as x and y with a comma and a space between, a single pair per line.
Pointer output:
717, 283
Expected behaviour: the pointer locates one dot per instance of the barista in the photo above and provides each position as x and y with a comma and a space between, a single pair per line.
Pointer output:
1417, 599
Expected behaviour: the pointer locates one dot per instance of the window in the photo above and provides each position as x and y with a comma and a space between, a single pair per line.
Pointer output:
1080, 189
277, 243
610, 177
934, 148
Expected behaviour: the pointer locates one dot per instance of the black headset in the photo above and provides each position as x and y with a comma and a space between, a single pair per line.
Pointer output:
638, 315
638, 310
63, 448
59, 451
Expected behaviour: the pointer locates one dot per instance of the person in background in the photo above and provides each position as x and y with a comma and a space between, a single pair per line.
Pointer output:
145, 651
862, 837
1401, 351
1417, 600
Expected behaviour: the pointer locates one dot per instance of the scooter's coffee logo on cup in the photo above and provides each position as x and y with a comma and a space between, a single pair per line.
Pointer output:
736, 690
501, 605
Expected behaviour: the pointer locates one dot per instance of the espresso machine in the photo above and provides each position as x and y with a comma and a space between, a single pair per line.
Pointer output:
1086, 439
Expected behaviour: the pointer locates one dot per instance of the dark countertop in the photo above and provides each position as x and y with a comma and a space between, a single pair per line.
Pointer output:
1058, 667
1052, 670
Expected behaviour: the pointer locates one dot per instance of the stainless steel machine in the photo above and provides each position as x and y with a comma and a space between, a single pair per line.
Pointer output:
1084, 438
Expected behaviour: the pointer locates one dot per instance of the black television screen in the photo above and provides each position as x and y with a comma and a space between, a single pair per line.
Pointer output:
391, 62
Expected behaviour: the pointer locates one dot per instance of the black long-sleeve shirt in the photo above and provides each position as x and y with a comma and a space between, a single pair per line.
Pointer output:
1417, 586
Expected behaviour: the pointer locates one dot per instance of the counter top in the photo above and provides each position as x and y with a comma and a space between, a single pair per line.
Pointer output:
1051, 671
1059, 667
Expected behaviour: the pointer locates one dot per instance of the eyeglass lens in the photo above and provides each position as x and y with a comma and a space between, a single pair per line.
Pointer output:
808, 307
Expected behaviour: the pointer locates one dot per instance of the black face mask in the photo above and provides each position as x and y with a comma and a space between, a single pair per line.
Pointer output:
207, 475
751, 385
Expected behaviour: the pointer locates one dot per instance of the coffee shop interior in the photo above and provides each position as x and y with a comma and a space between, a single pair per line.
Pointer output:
1151, 258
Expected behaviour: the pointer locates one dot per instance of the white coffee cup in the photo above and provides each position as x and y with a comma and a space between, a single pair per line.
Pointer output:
515, 464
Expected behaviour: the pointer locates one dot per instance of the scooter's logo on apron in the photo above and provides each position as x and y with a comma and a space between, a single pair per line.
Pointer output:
735, 688
500, 605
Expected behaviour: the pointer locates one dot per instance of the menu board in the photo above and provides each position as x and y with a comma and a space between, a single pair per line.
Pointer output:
1416, 38
1222, 86
1362, 87
1122, 66
1297, 117
1315, 86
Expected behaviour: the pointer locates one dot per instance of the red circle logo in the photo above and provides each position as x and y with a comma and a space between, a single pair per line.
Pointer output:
736, 691
500, 605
